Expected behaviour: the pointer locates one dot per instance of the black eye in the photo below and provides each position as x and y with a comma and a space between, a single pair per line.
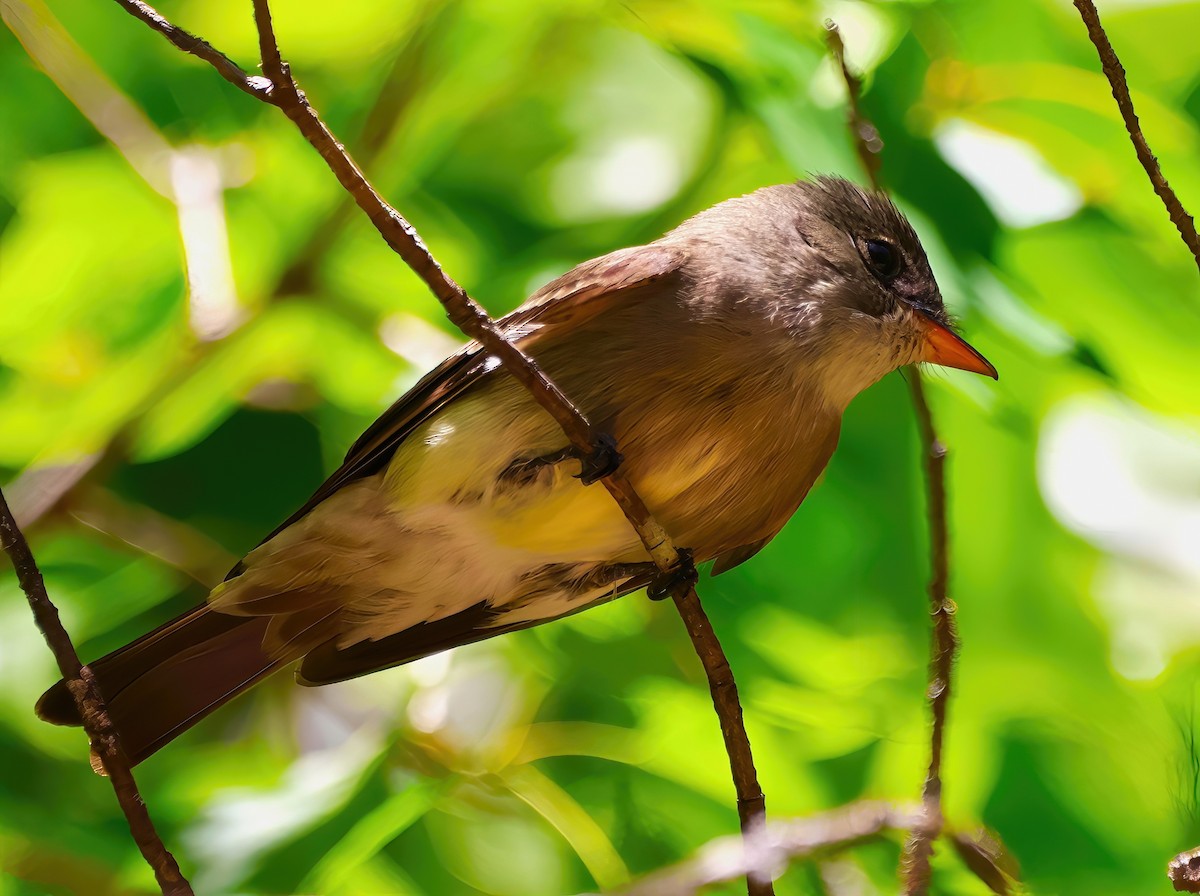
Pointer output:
883, 258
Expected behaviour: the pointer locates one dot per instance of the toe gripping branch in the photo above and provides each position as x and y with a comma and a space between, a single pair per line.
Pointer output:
684, 573
603, 461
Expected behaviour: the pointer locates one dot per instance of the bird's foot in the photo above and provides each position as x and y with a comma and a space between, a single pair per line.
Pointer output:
684, 573
603, 461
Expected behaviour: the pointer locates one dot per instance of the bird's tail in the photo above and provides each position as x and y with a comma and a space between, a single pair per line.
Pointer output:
164, 683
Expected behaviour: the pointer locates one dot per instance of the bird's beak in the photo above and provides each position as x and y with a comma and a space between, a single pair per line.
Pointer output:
945, 347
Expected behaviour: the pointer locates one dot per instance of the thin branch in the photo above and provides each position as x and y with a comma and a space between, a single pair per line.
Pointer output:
867, 142
105, 741
465, 313
462, 310
773, 847
944, 648
1115, 72
398, 89
779, 843
944, 642
228, 69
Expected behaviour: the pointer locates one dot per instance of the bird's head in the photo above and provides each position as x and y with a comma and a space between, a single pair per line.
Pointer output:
841, 270
875, 265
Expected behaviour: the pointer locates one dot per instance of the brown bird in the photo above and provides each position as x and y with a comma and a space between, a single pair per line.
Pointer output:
721, 358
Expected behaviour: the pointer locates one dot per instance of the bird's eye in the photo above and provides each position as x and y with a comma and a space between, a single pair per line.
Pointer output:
883, 258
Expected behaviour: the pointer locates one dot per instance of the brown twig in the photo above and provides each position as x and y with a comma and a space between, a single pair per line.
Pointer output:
944, 646
399, 88
106, 744
919, 848
867, 142
1115, 72
228, 69
281, 90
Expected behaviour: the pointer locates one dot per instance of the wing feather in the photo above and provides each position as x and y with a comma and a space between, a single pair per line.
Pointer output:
328, 663
568, 301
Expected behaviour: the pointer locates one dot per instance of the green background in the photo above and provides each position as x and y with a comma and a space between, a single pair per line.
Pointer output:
522, 138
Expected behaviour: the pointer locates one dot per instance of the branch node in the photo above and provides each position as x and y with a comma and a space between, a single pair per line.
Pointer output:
677, 580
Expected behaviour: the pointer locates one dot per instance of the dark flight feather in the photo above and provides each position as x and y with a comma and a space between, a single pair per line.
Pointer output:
570, 300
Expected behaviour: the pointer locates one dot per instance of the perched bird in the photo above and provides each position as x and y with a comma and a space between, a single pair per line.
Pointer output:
720, 357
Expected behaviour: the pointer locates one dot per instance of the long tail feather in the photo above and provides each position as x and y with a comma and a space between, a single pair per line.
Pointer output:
164, 683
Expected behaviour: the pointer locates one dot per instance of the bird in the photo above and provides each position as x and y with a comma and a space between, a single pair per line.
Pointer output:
720, 359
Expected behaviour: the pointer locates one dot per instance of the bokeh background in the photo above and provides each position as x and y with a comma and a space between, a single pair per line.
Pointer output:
194, 327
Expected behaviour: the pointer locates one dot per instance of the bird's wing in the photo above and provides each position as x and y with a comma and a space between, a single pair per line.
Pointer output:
328, 663
572, 299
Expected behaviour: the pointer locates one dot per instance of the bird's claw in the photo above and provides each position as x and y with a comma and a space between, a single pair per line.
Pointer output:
603, 461
684, 572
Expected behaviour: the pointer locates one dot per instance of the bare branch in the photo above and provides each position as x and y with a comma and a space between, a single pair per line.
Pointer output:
867, 142
1115, 72
105, 741
396, 93
944, 646
465, 313
229, 70
770, 849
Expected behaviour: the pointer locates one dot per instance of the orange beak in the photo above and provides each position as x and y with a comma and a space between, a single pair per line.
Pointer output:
947, 348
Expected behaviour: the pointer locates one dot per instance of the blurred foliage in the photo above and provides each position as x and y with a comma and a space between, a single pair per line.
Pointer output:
522, 138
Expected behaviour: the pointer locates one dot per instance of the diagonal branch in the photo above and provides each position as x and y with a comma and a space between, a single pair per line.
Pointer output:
1115, 72
228, 69
106, 745
396, 93
1185, 869
944, 646
278, 88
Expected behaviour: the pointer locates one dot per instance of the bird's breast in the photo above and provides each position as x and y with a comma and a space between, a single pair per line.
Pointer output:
722, 431
723, 473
